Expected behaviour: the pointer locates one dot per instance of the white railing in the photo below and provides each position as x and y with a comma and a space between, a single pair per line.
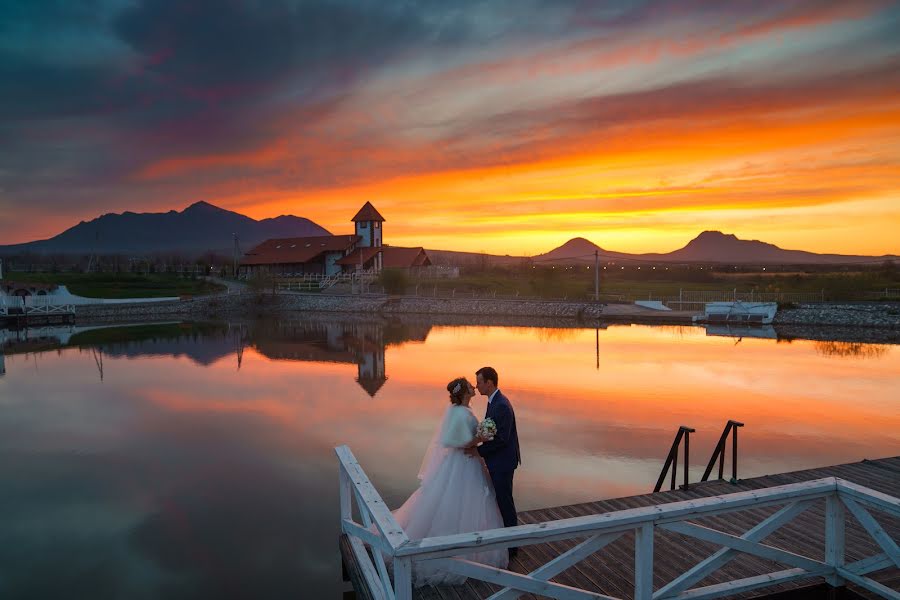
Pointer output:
47, 305
599, 530
310, 281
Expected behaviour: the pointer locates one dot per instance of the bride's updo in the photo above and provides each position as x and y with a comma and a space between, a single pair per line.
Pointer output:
458, 389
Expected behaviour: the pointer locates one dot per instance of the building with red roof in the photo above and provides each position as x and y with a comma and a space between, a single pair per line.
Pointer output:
332, 254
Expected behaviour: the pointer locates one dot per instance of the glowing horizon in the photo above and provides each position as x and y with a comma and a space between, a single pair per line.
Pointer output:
481, 129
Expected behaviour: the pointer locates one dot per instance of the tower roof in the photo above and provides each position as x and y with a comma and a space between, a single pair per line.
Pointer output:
367, 213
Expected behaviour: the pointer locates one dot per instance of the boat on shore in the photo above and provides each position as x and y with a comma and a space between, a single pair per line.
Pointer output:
760, 313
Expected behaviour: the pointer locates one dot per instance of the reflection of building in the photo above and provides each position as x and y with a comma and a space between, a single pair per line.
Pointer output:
2, 364
332, 254
351, 342
359, 343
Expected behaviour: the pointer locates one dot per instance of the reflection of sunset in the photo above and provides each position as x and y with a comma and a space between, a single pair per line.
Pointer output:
595, 432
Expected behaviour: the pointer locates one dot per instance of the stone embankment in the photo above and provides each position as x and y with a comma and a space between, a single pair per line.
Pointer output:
870, 322
204, 308
863, 314
883, 317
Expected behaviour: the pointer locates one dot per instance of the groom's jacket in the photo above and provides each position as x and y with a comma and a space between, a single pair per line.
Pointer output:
502, 452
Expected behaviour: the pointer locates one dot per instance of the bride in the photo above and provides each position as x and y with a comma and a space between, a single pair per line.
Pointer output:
455, 494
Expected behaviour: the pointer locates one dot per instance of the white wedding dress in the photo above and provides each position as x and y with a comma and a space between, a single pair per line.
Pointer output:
455, 496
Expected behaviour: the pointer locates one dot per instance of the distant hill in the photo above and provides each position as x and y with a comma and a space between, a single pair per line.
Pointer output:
199, 228
708, 247
458, 259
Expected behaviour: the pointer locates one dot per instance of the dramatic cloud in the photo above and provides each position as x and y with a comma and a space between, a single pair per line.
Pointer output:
553, 112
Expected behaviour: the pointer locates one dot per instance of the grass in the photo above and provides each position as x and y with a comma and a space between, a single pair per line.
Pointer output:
578, 282
122, 285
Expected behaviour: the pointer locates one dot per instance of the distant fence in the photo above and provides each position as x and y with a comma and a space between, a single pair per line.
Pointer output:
885, 294
688, 300
695, 300
685, 300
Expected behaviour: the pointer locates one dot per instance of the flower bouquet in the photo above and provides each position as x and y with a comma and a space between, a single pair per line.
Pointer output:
487, 429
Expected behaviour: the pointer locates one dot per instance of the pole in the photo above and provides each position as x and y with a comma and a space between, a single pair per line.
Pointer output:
234, 256
596, 275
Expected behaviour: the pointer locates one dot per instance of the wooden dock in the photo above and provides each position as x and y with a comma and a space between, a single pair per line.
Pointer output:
611, 571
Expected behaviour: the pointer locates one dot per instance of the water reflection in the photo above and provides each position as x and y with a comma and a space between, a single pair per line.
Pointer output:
191, 461
360, 343
854, 349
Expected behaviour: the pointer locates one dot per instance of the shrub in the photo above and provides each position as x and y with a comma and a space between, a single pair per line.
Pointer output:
394, 281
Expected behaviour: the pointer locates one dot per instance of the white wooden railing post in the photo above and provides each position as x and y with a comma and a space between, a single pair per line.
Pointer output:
834, 537
346, 493
403, 579
643, 562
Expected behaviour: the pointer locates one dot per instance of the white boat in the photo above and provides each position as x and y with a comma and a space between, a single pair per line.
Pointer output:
742, 331
739, 312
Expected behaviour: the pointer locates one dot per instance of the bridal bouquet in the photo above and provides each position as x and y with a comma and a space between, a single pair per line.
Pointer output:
487, 429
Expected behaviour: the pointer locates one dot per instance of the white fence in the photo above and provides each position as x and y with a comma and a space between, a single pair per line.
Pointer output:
597, 531
46, 305
313, 281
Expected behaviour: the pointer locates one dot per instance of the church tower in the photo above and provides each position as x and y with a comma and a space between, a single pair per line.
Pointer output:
368, 226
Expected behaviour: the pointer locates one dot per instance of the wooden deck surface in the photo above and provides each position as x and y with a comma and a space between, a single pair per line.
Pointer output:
611, 570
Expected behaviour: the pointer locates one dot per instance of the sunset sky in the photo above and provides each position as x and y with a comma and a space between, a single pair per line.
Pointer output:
508, 126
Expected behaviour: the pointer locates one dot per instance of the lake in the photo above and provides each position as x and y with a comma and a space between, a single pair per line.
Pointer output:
196, 461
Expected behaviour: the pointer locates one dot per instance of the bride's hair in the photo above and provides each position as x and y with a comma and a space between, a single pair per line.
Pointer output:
458, 389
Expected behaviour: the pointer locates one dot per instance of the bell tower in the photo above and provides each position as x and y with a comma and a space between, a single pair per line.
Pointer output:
368, 226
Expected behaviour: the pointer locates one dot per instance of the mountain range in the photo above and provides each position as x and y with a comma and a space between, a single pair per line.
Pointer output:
202, 227
708, 247
199, 228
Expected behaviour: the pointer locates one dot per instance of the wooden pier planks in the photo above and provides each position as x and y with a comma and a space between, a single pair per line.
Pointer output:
611, 571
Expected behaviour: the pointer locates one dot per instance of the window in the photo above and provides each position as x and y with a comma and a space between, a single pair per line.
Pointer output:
363, 225
376, 225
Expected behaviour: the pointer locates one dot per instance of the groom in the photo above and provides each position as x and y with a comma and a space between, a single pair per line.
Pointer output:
501, 454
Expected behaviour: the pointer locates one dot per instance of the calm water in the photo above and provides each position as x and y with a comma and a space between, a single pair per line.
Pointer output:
197, 462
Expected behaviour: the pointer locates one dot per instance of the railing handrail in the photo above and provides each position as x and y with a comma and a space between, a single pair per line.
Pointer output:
445, 552
390, 530
620, 520
672, 458
719, 452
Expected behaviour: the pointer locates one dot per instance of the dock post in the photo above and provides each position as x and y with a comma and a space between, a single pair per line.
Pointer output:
403, 579
834, 537
643, 562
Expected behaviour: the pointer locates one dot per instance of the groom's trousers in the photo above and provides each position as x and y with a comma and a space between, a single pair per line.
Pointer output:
503, 488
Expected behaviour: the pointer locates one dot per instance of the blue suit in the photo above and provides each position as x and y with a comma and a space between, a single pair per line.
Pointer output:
502, 455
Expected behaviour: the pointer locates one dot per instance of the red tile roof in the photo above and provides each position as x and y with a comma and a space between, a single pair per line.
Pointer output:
396, 257
297, 250
367, 213
358, 256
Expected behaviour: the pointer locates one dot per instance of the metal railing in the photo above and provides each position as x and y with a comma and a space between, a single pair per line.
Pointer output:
719, 452
386, 539
672, 458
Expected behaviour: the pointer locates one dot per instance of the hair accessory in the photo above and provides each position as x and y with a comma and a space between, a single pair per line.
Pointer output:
457, 387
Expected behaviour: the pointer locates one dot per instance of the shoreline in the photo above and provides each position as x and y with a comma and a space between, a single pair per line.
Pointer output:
876, 322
